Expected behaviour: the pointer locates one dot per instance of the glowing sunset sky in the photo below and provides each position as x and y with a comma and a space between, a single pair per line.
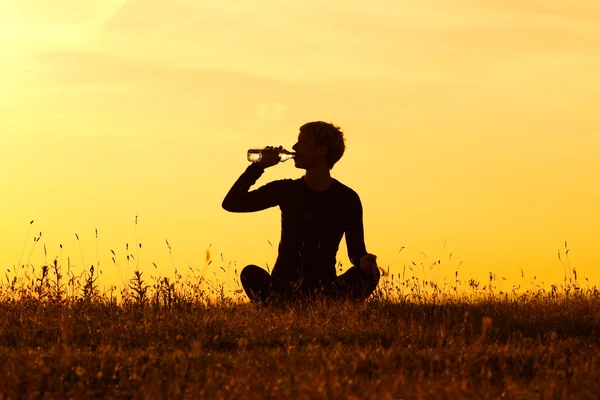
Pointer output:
467, 124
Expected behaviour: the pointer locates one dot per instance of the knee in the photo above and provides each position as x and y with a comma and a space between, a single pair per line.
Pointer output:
251, 271
246, 272
372, 278
377, 274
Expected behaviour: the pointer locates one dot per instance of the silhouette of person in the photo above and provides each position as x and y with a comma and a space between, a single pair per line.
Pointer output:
316, 211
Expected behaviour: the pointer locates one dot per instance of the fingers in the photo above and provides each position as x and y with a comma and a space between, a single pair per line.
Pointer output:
270, 157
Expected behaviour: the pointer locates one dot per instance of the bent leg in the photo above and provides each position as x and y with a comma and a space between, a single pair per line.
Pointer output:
355, 284
257, 283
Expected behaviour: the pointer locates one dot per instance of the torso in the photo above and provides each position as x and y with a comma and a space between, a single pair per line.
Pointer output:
312, 226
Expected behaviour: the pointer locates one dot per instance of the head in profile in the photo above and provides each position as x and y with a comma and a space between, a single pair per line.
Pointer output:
320, 145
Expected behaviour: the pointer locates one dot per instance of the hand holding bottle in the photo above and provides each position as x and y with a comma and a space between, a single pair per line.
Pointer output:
270, 157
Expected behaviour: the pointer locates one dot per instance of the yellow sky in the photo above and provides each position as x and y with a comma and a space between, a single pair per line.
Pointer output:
474, 126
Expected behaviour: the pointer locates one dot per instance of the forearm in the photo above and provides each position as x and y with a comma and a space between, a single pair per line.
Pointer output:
356, 246
355, 235
236, 198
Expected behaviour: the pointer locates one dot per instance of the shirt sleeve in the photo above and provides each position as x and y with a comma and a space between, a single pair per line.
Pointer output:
240, 199
355, 236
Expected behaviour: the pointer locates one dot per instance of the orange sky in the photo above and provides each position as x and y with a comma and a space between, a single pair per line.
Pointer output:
474, 126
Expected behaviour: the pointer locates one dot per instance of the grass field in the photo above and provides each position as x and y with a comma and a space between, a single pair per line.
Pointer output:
183, 340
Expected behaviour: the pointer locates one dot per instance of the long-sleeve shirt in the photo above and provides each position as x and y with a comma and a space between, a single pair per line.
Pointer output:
312, 224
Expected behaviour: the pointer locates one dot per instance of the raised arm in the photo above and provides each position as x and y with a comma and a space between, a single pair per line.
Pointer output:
240, 199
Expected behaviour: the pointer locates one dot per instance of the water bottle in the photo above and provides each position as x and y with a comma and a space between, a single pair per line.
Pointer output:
255, 155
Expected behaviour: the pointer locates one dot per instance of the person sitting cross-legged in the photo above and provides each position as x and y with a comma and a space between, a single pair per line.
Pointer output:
316, 211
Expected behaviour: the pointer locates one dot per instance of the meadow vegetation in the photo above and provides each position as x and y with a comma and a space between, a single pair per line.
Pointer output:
63, 337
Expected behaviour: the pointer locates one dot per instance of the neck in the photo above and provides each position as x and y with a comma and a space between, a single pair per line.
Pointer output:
318, 178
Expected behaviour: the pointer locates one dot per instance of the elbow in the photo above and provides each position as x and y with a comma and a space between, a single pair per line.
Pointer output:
226, 205
230, 205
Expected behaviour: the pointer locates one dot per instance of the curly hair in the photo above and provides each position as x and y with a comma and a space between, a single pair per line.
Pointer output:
327, 134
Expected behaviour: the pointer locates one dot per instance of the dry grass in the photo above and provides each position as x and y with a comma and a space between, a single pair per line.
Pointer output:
64, 338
